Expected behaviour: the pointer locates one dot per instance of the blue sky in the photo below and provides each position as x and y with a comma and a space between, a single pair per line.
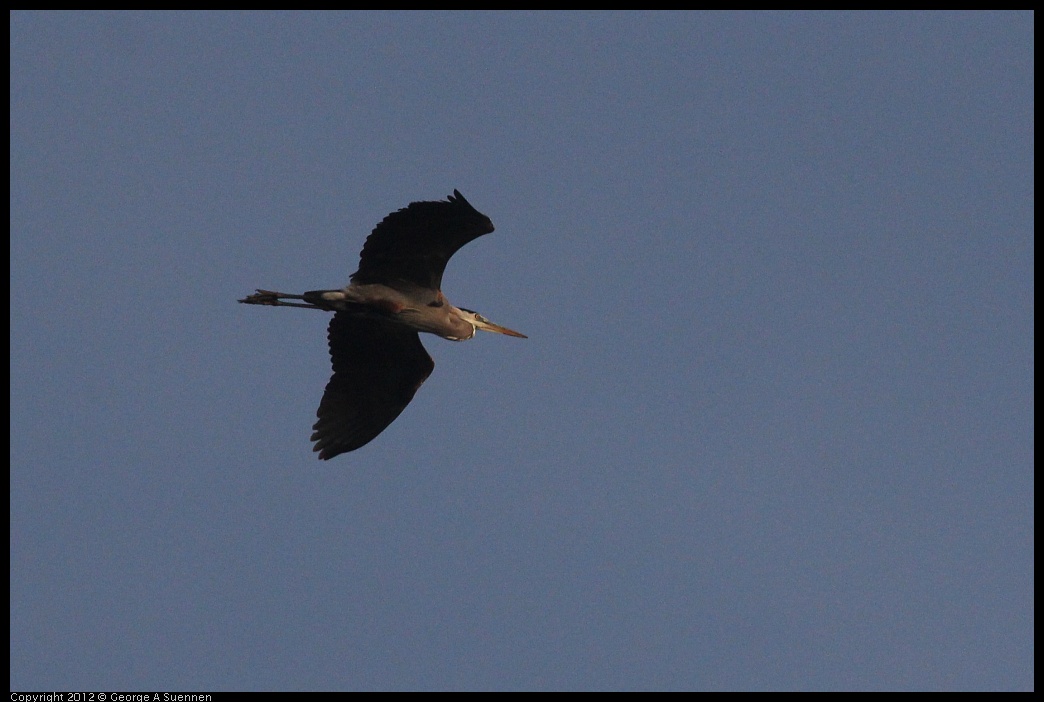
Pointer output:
772, 427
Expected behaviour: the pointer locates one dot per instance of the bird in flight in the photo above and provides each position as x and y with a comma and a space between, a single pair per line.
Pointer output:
378, 360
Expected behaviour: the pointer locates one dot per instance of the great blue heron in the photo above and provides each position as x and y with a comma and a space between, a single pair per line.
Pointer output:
378, 360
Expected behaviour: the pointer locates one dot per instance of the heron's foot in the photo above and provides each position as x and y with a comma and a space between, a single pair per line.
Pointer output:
263, 297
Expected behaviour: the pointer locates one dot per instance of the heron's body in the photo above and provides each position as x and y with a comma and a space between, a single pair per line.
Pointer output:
378, 360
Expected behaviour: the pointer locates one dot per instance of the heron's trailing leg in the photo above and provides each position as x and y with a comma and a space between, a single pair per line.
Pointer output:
275, 299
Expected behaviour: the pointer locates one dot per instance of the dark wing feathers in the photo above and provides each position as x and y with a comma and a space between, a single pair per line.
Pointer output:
377, 368
415, 243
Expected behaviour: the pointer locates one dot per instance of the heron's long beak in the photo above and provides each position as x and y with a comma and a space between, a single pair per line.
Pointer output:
486, 325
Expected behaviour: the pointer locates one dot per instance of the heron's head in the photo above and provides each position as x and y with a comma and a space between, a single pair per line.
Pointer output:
479, 322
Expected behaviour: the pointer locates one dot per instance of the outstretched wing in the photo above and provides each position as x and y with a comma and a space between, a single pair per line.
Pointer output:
415, 243
377, 368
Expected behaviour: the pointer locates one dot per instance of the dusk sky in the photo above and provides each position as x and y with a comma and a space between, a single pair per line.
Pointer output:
772, 428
